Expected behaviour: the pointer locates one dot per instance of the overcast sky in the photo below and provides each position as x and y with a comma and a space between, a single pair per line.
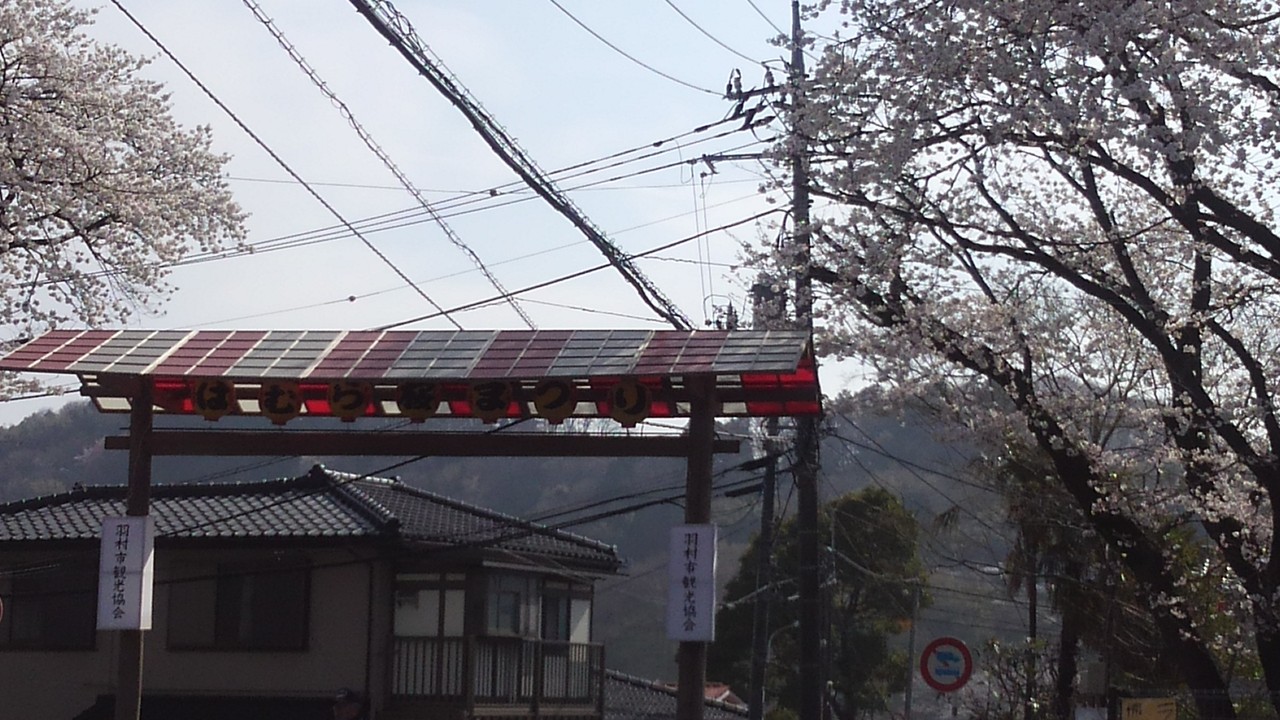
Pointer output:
564, 94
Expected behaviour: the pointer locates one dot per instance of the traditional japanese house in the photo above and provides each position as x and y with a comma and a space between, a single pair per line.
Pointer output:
269, 596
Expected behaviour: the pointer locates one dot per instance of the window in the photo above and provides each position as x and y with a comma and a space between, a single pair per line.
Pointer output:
555, 611
53, 609
506, 612
511, 605
241, 607
528, 606
430, 604
566, 611
580, 620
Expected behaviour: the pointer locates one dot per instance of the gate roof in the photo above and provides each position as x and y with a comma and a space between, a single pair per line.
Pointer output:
757, 372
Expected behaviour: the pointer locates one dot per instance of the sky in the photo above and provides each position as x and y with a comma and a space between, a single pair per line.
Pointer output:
618, 90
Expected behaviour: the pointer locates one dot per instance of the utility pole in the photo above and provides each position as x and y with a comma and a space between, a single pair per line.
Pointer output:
812, 677
1029, 710
911, 652
764, 576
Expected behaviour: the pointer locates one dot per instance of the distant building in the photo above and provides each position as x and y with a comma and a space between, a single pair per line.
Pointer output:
632, 698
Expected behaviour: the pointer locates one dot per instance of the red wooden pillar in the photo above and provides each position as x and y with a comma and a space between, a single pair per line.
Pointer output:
692, 655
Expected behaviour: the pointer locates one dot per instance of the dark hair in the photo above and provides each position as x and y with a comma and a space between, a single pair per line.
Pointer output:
347, 695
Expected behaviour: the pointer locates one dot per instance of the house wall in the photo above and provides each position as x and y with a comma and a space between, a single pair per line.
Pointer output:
60, 684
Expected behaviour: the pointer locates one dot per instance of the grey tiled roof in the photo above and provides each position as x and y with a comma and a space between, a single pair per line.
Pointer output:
320, 504
431, 518
631, 698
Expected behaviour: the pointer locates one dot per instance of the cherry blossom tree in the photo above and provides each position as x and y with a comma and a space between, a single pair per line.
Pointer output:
1059, 219
100, 189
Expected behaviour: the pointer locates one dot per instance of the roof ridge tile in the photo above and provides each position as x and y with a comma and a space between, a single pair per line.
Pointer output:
345, 485
508, 518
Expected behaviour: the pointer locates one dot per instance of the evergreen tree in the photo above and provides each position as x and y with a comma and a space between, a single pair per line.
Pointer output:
874, 570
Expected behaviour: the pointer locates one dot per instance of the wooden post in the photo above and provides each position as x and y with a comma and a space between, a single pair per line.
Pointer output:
538, 680
138, 503
598, 652
469, 675
692, 655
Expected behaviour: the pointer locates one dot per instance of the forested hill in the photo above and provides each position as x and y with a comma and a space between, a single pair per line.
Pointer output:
627, 502
51, 450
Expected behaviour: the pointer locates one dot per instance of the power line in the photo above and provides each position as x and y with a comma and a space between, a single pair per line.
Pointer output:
628, 55
593, 311
54, 562
879, 449
60, 391
708, 35
580, 273
280, 161
377, 150
922, 479
395, 27
653, 149
518, 258
784, 33
767, 19
659, 145
931, 538
407, 217
510, 528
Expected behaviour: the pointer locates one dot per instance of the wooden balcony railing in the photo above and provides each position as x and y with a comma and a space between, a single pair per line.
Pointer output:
477, 671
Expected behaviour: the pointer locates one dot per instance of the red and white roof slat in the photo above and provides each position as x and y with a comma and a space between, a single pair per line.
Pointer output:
404, 355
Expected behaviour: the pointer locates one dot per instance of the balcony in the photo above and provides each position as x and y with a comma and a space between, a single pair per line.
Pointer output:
494, 676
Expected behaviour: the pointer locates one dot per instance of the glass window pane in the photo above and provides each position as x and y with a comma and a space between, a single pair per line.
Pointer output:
555, 617
417, 613
580, 620
277, 610
191, 613
54, 609
248, 608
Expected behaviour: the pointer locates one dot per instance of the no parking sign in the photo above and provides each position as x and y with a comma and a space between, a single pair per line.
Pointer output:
946, 664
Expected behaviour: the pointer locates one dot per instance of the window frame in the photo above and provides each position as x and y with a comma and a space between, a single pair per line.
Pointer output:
556, 601
228, 577
449, 591
527, 609
561, 597
20, 593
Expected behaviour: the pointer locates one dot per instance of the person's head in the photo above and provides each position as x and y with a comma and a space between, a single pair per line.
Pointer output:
347, 704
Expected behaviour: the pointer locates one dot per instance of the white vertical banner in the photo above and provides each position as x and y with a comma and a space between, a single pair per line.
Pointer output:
125, 573
691, 583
